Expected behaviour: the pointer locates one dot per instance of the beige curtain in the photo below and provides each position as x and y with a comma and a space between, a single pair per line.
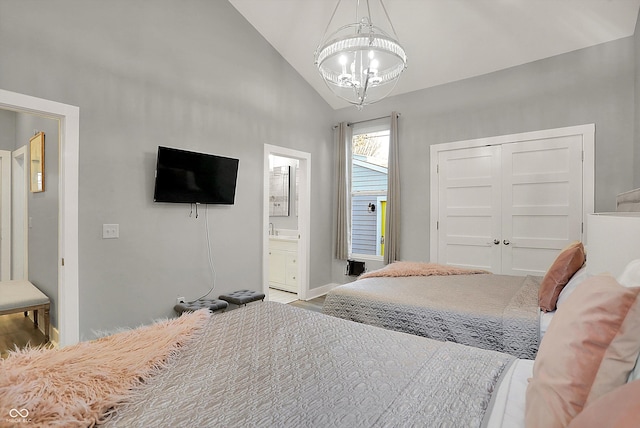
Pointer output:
343, 192
392, 222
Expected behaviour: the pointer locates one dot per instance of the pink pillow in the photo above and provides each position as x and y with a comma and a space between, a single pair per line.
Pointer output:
589, 349
568, 262
618, 409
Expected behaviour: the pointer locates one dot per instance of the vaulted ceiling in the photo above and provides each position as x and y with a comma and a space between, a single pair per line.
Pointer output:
446, 40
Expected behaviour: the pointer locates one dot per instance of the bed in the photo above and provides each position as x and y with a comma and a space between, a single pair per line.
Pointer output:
497, 312
472, 307
307, 369
272, 364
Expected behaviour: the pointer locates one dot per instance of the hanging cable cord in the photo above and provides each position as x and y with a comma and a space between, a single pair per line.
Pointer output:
213, 271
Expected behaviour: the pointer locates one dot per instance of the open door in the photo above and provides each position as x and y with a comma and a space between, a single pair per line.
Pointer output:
19, 230
5, 215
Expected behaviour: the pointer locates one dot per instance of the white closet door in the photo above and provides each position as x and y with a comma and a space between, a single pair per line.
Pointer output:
469, 192
541, 202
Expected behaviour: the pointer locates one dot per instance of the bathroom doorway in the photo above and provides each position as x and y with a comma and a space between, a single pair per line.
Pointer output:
68, 124
286, 219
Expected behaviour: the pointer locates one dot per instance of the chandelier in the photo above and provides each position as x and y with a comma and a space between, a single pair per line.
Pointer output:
360, 62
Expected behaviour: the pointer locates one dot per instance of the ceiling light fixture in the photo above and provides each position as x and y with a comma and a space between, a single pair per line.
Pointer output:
360, 62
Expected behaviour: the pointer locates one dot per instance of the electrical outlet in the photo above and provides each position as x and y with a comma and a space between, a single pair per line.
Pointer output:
110, 231
179, 300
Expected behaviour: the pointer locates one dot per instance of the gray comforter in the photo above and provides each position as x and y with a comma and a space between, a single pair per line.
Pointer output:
497, 312
274, 365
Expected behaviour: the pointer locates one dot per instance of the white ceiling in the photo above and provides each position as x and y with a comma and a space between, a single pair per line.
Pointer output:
446, 40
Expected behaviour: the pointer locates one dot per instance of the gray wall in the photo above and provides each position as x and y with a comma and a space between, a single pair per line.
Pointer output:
592, 85
7, 130
190, 74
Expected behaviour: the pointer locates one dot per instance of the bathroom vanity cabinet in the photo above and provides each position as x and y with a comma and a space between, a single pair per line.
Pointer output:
283, 266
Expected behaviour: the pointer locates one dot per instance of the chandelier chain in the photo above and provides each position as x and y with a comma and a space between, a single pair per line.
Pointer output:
388, 19
331, 19
368, 12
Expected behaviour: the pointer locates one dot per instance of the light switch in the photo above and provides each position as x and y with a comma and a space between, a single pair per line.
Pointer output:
110, 231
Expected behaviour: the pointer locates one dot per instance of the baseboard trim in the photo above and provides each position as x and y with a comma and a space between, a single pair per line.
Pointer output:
320, 291
54, 338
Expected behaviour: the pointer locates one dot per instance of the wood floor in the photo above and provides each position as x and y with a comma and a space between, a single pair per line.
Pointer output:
18, 330
292, 299
312, 305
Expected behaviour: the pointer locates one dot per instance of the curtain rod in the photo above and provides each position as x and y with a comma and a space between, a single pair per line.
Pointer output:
366, 120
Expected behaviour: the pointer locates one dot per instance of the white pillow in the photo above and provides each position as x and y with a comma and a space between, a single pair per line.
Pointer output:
545, 320
575, 280
630, 277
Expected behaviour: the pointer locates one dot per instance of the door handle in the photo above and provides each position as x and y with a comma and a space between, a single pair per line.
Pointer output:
496, 241
506, 242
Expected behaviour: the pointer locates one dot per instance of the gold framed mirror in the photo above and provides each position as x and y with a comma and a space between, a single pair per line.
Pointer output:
36, 150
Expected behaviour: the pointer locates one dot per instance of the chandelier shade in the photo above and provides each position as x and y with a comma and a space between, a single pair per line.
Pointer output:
360, 62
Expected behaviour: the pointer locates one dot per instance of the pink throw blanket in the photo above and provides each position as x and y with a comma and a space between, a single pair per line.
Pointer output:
82, 384
398, 269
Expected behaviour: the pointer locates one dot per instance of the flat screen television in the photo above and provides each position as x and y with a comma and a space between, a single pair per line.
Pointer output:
184, 176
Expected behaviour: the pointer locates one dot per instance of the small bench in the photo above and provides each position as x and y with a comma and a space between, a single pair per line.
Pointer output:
22, 296
242, 297
211, 304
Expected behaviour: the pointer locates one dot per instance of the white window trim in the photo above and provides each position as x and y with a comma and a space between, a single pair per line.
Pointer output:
369, 128
366, 257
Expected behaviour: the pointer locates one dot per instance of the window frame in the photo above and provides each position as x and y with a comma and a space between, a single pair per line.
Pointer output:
367, 127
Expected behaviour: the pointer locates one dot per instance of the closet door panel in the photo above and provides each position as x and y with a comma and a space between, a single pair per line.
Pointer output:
469, 190
541, 202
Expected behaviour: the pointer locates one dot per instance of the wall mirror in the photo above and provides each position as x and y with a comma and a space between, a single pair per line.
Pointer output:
279, 191
36, 150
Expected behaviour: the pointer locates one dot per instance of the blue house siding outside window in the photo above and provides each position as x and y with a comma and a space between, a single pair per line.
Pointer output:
368, 186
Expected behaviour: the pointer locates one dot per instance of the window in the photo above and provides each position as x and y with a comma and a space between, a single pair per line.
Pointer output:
370, 152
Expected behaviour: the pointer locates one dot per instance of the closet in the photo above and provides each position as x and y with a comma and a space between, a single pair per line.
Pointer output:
508, 204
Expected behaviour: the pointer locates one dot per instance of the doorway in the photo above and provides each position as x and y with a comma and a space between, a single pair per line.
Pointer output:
68, 118
290, 246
